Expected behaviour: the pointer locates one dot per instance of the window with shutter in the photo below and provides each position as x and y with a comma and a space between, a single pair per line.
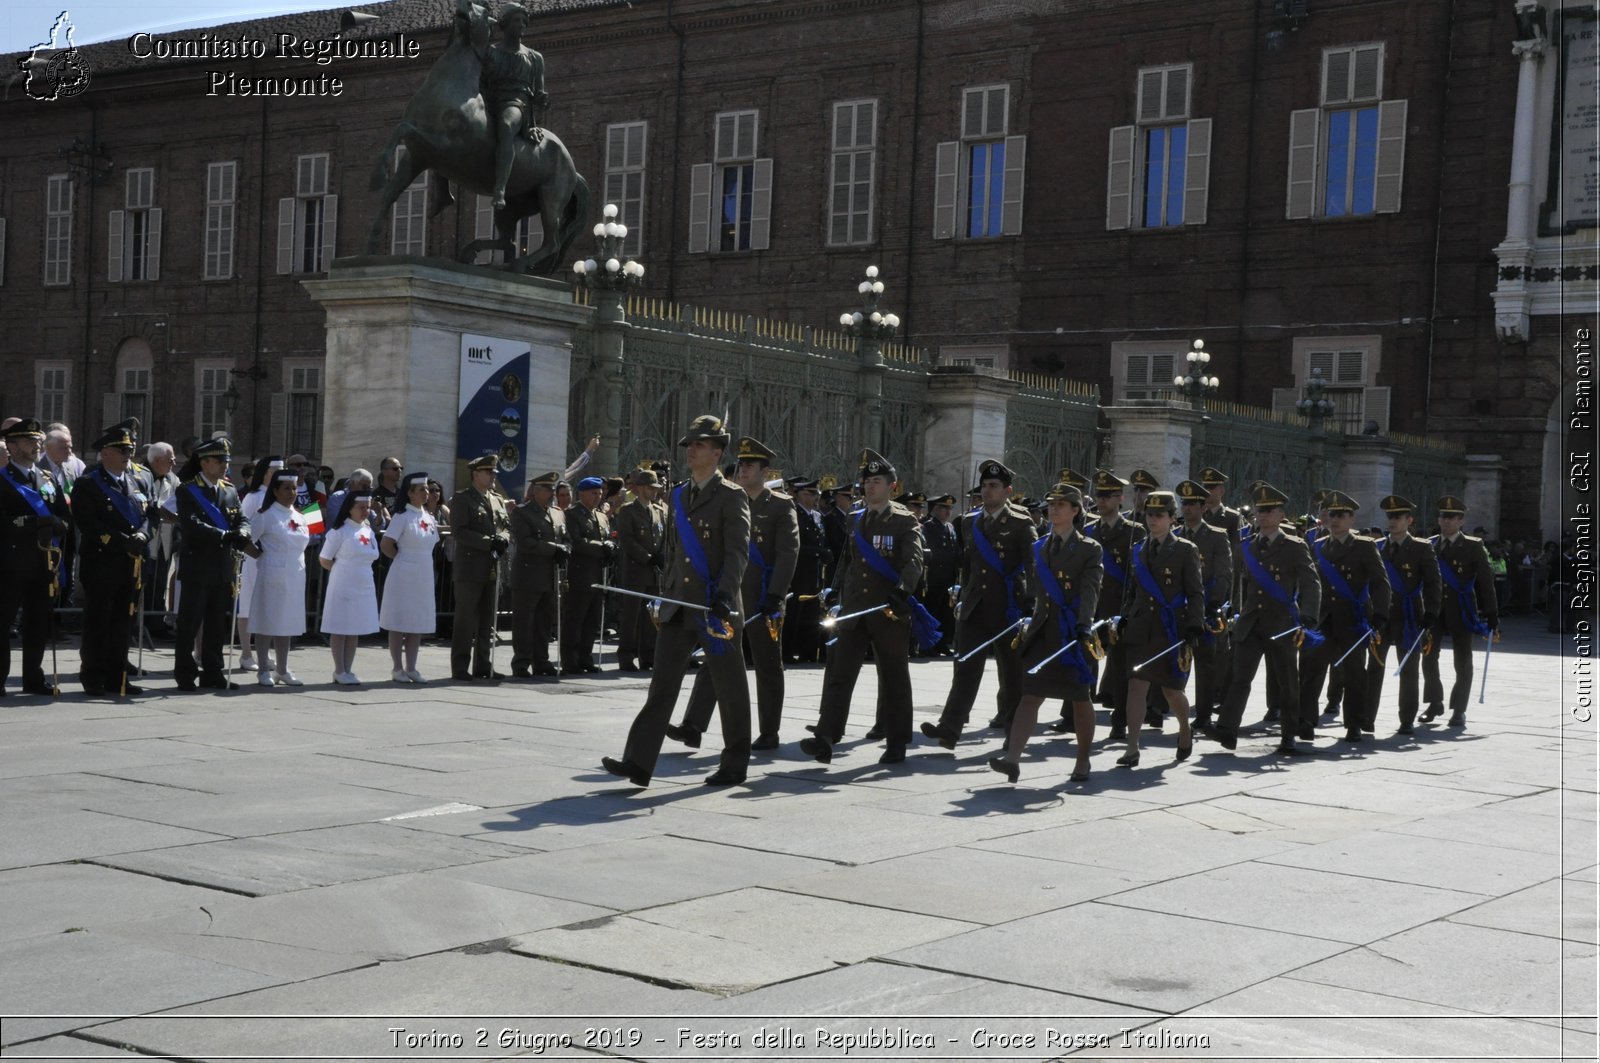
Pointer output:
743, 189
1143, 369
50, 390
1355, 141
1170, 154
985, 145
210, 406
408, 218
221, 191
625, 176
303, 409
1348, 367
851, 167
308, 222
58, 230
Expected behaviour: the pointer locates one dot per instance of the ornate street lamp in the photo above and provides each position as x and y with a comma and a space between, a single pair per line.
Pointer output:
609, 273
1314, 405
1197, 384
608, 277
873, 328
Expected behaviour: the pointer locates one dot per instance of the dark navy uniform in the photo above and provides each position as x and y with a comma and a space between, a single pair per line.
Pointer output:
112, 514
35, 515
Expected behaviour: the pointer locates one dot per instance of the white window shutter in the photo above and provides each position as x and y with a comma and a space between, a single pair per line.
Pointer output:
761, 205
1150, 96
1391, 162
152, 245
1304, 129
1366, 80
278, 423
1336, 76
1197, 172
1011, 196
1119, 178
1138, 370
330, 229
483, 228
700, 208
114, 247
946, 165
1375, 407
286, 235
1177, 93
2, 250
1283, 399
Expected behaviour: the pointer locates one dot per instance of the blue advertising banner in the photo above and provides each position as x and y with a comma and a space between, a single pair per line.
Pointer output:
492, 408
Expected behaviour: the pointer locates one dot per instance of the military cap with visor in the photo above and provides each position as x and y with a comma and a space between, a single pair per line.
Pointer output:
708, 427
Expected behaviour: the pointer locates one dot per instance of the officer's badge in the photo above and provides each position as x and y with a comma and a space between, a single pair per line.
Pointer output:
105, 540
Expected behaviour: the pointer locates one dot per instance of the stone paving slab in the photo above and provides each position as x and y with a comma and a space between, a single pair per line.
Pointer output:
1127, 956
72, 1048
737, 941
56, 898
50, 837
1470, 865
1558, 908
294, 808
302, 859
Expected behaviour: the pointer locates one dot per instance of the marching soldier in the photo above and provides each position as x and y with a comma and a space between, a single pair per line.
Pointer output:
1163, 604
35, 514
1116, 536
774, 551
942, 552
1281, 600
880, 567
539, 531
1355, 606
111, 508
801, 639
1413, 608
707, 548
835, 524
212, 525
641, 528
1216, 575
995, 594
481, 528
589, 533
1467, 607
1058, 641
1217, 513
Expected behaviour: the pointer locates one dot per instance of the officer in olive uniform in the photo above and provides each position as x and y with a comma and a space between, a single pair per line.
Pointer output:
707, 549
1143, 481
1467, 608
996, 592
1163, 603
1217, 513
111, 508
481, 528
1413, 608
211, 527
774, 551
1216, 573
35, 516
1355, 606
801, 634
589, 533
881, 566
1116, 536
942, 555
641, 530
1281, 594
539, 531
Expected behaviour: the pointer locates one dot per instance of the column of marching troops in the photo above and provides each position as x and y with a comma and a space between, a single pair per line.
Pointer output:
1085, 603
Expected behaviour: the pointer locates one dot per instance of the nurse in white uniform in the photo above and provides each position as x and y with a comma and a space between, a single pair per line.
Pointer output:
407, 612
278, 605
251, 503
350, 606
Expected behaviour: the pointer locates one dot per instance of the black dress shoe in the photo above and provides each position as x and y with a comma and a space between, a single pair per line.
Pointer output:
94, 690
1458, 718
1183, 752
591, 668
1353, 735
724, 777
129, 690
218, 683
1128, 760
1117, 733
187, 685
1432, 712
1154, 720
1308, 733
546, 669
1005, 767
763, 741
572, 671
893, 755
1061, 725
461, 677
1289, 749
940, 734
1000, 723
628, 666
521, 673
44, 690
1202, 720
1226, 737
875, 733
1272, 716
494, 677
687, 735
627, 769
1406, 728
817, 748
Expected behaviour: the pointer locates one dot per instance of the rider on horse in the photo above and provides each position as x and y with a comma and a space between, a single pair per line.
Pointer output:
513, 83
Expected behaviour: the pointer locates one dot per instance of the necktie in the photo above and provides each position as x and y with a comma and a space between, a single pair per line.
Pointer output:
690, 495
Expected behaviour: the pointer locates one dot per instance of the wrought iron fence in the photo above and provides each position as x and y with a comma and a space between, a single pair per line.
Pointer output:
1426, 469
1051, 424
1254, 443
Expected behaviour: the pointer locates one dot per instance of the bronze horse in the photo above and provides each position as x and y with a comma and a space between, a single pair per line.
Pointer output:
447, 129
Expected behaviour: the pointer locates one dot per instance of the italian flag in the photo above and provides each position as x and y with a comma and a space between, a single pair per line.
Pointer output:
313, 518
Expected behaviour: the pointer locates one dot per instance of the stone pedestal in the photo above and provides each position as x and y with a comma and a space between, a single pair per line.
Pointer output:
1153, 434
1481, 493
392, 374
966, 423
1367, 475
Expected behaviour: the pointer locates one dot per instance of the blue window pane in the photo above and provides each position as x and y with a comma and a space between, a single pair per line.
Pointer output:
997, 184
1337, 189
977, 189
1366, 161
1155, 166
1178, 140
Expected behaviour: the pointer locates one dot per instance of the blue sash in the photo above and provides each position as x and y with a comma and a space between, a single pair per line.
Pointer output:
1409, 623
122, 503
1114, 570
924, 628
1169, 609
208, 507
766, 570
1341, 586
1466, 599
696, 553
1066, 613
1264, 580
986, 551
33, 499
